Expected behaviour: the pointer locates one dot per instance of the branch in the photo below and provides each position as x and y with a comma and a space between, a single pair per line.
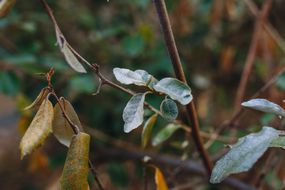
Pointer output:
267, 26
252, 52
124, 151
233, 121
176, 63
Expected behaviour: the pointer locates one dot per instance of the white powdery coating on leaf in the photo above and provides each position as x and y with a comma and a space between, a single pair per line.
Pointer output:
244, 154
126, 76
264, 106
176, 89
169, 109
133, 112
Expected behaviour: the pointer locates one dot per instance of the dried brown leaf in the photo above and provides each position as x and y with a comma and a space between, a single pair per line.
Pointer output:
42, 95
61, 128
39, 128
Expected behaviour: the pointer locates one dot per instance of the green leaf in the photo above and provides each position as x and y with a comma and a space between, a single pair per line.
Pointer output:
169, 109
133, 112
174, 88
278, 142
146, 133
75, 171
138, 77
39, 129
61, 128
165, 134
264, 106
244, 154
5, 6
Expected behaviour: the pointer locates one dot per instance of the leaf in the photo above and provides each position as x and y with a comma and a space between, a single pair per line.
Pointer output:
146, 133
75, 171
71, 59
264, 106
278, 142
159, 180
133, 112
138, 77
174, 88
169, 109
165, 134
5, 6
61, 128
244, 154
39, 129
68, 54
42, 95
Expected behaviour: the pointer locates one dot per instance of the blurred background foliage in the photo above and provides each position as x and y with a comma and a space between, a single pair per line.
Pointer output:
213, 37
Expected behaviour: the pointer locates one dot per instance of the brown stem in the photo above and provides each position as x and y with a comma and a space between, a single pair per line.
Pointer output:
252, 53
176, 63
122, 150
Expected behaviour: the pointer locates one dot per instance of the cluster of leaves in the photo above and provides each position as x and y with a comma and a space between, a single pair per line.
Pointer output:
133, 114
49, 119
250, 148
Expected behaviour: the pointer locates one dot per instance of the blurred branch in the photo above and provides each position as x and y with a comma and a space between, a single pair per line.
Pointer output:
123, 151
252, 52
179, 72
234, 119
268, 27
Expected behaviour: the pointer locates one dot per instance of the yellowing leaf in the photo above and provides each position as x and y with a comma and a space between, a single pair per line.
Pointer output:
42, 95
146, 133
159, 180
38, 130
60, 127
5, 6
75, 171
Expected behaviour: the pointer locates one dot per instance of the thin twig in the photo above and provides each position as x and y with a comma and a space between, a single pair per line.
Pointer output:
252, 52
176, 63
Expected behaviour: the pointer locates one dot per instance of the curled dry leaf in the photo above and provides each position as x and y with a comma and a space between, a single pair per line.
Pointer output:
60, 127
42, 95
39, 129
146, 133
75, 171
5, 6
159, 180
